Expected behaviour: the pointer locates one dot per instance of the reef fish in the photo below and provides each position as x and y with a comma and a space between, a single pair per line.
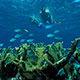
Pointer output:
30, 40
26, 30
1, 44
50, 35
22, 40
17, 30
58, 38
56, 31
12, 39
48, 26
17, 36
31, 34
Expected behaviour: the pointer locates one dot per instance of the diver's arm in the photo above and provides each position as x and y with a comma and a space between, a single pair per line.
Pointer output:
41, 25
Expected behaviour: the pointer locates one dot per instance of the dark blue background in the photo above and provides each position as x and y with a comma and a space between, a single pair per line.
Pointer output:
15, 14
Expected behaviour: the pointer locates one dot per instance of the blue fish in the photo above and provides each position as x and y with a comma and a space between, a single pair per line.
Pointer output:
12, 39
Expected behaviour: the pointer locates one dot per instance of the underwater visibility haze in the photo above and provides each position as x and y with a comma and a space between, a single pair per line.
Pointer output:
39, 39
16, 28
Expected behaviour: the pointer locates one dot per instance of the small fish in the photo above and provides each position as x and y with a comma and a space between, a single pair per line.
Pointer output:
26, 30
50, 35
1, 44
22, 40
57, 22
12, 39
17, 30
17, 36
30, 40
56, 31
31, 34
48, 26
58, 38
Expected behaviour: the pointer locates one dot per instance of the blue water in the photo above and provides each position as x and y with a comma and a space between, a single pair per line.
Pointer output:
14, 14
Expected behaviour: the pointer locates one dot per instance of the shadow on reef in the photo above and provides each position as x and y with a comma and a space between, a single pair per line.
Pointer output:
40, 62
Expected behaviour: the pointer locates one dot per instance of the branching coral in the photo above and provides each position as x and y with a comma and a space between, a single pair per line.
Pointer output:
37, 61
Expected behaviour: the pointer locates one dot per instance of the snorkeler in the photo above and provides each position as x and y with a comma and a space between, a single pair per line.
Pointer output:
35, 21
46, 19
46, 16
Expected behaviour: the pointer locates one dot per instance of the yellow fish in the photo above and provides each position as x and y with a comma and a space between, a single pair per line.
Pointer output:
57, 22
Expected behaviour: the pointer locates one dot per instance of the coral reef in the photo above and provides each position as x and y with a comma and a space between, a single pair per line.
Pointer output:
40, 62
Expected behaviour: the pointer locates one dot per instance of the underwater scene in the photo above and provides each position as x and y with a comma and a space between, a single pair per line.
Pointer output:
39, 39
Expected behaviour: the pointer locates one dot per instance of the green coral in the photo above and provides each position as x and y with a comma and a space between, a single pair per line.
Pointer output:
33, 60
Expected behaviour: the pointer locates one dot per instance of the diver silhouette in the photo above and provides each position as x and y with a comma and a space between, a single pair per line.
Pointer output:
46, 18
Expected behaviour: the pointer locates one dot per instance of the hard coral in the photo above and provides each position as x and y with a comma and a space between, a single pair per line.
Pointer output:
38, 61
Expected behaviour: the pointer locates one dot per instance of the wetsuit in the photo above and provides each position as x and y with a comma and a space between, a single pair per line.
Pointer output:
45, 16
